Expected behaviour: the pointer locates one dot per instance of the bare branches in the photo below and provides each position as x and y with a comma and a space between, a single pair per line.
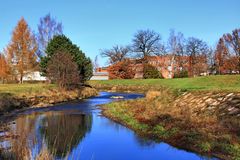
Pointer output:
47, 29
65, 73
95, 64
197, 51
196, 46
146, 43
192, 55
176, 43
116, 54
233, 41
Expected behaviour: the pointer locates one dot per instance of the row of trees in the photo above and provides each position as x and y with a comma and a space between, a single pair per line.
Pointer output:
44, 51
191, 55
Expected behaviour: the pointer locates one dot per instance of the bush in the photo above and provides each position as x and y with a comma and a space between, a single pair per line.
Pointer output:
181, 74
151, 72
121, 70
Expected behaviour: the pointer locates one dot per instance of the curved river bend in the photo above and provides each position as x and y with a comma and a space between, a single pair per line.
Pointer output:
77, 131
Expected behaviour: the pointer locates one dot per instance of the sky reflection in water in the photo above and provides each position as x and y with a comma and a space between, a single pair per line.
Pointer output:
77, 131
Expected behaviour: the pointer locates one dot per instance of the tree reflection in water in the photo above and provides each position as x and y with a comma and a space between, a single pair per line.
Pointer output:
64, 132
53, 133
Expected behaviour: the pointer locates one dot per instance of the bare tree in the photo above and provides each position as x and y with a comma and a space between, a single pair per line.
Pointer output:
211, 60
116, 54
197, 51
176, 42
176, 48
147, 43
47, 29
63, 70
95, 64
233, 41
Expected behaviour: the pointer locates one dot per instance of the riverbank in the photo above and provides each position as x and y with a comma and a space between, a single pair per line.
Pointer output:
200, 129
204, 119
19, 96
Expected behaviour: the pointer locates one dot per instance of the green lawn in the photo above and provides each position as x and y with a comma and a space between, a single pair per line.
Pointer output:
24, 88
226, 82
221, 82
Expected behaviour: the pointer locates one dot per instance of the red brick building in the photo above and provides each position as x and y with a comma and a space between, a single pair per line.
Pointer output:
167, 65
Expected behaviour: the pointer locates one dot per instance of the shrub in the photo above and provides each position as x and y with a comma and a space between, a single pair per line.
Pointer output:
181, 74
151, 72
121, 70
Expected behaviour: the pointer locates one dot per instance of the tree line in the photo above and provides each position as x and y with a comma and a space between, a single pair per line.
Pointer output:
192, 56
48, 51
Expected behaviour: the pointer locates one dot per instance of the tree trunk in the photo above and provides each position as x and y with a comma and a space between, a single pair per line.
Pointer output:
21, 79
239, 64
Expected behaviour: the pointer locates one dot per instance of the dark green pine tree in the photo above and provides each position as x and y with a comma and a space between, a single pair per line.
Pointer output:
64, 44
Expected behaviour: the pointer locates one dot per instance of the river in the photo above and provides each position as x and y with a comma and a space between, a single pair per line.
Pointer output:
77, 130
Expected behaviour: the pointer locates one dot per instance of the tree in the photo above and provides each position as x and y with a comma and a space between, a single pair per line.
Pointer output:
233, 41
47, 29
150, 71
197, 51
230, 64
22, 50
121, 70
221, 54
4, 70
176, 50
63, 70
75, 129
95, 64
61, 43
146, 43
116, 54
211, 61
176, 43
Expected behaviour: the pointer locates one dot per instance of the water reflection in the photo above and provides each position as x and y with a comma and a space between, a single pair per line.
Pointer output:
56, 132
145, 142
63, 132
76, 131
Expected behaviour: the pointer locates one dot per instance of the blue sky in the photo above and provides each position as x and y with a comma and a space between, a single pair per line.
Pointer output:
99, 24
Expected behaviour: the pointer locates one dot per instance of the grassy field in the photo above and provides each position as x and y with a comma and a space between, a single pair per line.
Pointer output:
222, 82
17, 89
225, 82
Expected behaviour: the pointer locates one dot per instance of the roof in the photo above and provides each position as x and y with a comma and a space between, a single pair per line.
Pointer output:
100, 74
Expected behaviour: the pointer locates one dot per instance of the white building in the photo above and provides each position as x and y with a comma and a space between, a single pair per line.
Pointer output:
100, 76
34, 76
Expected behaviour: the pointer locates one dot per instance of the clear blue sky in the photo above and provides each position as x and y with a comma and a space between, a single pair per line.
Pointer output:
99, 24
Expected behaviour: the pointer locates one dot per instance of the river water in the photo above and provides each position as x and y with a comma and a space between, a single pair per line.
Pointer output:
77, 130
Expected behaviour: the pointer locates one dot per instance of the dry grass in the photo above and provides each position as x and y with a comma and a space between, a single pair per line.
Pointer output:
44, 155
157, 116
18, 89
